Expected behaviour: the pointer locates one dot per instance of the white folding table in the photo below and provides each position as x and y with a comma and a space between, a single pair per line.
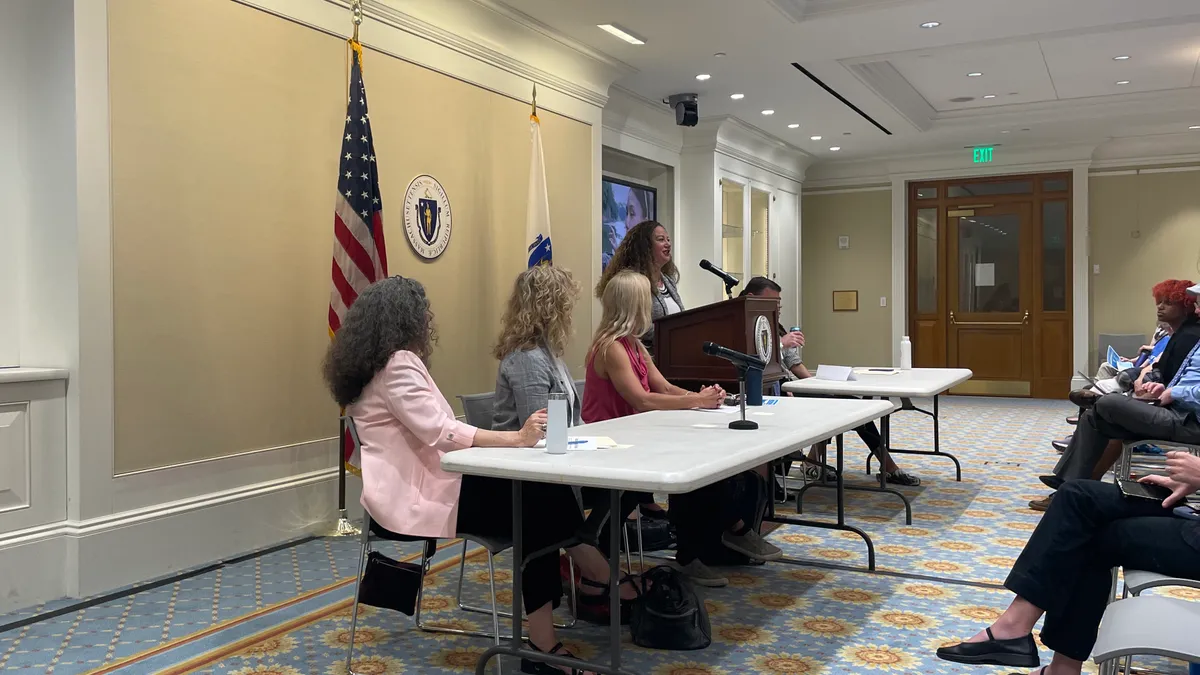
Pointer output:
670, 452
887, 384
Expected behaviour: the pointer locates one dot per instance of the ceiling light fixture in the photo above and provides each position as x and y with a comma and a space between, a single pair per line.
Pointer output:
989, 96
1194, 127
793, 125
931, 24
768, 111
835, 148
737, 97
1122, 81
703, 76
1122, 57
814, 138
974, 74
719, 54
1006, 131
619, 32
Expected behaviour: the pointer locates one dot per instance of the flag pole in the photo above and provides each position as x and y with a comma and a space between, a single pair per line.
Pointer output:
343, 527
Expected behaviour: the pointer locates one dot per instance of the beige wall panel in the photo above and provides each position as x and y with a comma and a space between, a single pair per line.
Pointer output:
226, 126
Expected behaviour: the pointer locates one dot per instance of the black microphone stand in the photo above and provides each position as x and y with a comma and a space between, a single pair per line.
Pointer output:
729, 289
743, 424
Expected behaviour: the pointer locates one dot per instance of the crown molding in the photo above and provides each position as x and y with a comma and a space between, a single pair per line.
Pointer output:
599, 74
620, 67
1157, 161
628, 114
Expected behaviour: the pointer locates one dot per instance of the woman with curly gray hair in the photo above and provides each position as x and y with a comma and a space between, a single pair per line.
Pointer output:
377, 367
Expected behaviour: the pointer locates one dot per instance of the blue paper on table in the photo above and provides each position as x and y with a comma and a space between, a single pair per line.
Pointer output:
1115, 361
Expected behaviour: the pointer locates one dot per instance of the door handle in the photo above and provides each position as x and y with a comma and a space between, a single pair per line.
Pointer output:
1024, 320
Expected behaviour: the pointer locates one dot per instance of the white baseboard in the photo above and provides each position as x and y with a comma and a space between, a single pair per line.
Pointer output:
1078, 382
103, 554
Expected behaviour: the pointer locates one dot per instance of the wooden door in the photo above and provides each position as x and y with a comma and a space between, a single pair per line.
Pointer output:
990, 274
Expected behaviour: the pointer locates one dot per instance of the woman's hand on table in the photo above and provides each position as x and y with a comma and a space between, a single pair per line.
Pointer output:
710, 397
534, 429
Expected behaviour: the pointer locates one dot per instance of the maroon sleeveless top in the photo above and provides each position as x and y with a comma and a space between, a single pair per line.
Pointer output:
601, 400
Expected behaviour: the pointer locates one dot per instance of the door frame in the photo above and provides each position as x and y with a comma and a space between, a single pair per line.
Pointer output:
905, 208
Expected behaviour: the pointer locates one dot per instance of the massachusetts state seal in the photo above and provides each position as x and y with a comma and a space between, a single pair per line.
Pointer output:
427, 217
764, 338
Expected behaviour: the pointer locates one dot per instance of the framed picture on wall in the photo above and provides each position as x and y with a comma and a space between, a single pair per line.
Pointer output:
845, 301
623, 205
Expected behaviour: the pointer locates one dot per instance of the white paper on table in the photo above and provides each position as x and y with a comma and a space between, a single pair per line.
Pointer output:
985, 274
876, 371
725, 409
836, 373
585, 443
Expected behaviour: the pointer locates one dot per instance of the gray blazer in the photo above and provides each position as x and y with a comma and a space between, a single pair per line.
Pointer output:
658, 309
523, 384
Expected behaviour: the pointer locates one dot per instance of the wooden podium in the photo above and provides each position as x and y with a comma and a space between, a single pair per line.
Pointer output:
679, 338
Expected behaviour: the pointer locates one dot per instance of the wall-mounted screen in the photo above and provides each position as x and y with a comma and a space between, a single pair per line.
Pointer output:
624, 205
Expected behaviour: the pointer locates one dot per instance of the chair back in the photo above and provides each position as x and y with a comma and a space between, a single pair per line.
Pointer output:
478, 409
352, 432
1125, 344
579, 389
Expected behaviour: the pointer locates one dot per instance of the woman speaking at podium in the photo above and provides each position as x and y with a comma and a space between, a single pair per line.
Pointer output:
646, 250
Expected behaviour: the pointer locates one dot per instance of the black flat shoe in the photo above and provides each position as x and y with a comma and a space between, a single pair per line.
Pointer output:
540, 668
1019, 652
1052, 482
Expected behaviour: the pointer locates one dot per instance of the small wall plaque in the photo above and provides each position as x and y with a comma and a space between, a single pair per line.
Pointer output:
845, 301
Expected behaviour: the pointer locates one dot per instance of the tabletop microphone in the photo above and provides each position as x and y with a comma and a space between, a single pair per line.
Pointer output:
729, 279
736, 358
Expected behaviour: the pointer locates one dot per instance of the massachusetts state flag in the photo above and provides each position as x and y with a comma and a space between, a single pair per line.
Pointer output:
359, 254
537, 222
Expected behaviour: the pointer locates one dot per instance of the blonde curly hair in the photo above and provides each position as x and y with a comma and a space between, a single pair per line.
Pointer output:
539, 311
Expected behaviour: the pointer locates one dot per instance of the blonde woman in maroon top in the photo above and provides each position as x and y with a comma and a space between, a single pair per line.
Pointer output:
622, 380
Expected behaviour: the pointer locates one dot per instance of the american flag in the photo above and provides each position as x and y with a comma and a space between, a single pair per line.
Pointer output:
359, 254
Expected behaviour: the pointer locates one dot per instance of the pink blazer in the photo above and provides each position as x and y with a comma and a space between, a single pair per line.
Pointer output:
405, 426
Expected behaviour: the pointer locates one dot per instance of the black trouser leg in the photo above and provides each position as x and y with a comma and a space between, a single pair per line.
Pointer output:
1122, 418
1090, 528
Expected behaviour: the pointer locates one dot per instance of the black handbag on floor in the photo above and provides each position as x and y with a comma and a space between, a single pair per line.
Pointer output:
669, 615
390, 584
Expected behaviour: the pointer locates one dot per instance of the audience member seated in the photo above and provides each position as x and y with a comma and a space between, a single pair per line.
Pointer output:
622, 380
1116, 417
790, 343
377, 368
646, 250
533, 336
1064, 573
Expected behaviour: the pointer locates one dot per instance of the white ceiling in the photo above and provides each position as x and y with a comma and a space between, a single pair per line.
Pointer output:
1049, 64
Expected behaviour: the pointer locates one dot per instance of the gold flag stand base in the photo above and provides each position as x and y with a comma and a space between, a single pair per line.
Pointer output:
343, 528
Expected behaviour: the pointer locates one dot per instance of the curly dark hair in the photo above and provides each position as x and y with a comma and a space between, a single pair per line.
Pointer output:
636, 253
389, 316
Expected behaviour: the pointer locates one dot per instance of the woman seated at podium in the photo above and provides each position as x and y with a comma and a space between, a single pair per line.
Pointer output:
646, 249
622, 380
376, 367
533, 337
790, 343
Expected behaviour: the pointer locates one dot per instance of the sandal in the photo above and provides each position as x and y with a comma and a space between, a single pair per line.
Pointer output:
541, 668
595, 608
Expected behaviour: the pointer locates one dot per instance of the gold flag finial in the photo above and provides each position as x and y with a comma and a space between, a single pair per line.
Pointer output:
356, 16
533, 115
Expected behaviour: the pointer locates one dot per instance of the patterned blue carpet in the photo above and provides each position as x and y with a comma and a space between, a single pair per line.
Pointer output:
286, 612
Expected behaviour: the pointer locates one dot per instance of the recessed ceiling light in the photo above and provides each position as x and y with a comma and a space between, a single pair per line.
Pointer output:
719, 54
1122, 81
1194, 127
974, 74
1121, 58
703, 76
814, 138
1006, 131
989, 96
793, 125
737, 97
931, 24
617, 31
768, 111
835, 148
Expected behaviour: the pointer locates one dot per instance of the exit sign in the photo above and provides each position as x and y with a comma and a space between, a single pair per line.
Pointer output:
982, 155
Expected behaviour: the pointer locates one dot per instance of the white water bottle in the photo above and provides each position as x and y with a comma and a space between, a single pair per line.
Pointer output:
556, 424
905, 353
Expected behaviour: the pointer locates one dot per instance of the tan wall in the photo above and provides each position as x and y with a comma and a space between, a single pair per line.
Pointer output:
1163, 210
226, 126
846, 338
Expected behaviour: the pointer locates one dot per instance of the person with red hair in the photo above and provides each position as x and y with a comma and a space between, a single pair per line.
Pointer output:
1121, 417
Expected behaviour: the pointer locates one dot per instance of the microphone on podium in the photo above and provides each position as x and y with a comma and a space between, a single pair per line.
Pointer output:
729, 279
736, 358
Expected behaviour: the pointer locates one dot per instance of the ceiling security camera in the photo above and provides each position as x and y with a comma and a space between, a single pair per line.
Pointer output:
687, 110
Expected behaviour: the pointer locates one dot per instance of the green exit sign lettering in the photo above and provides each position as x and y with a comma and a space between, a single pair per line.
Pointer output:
982, 155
